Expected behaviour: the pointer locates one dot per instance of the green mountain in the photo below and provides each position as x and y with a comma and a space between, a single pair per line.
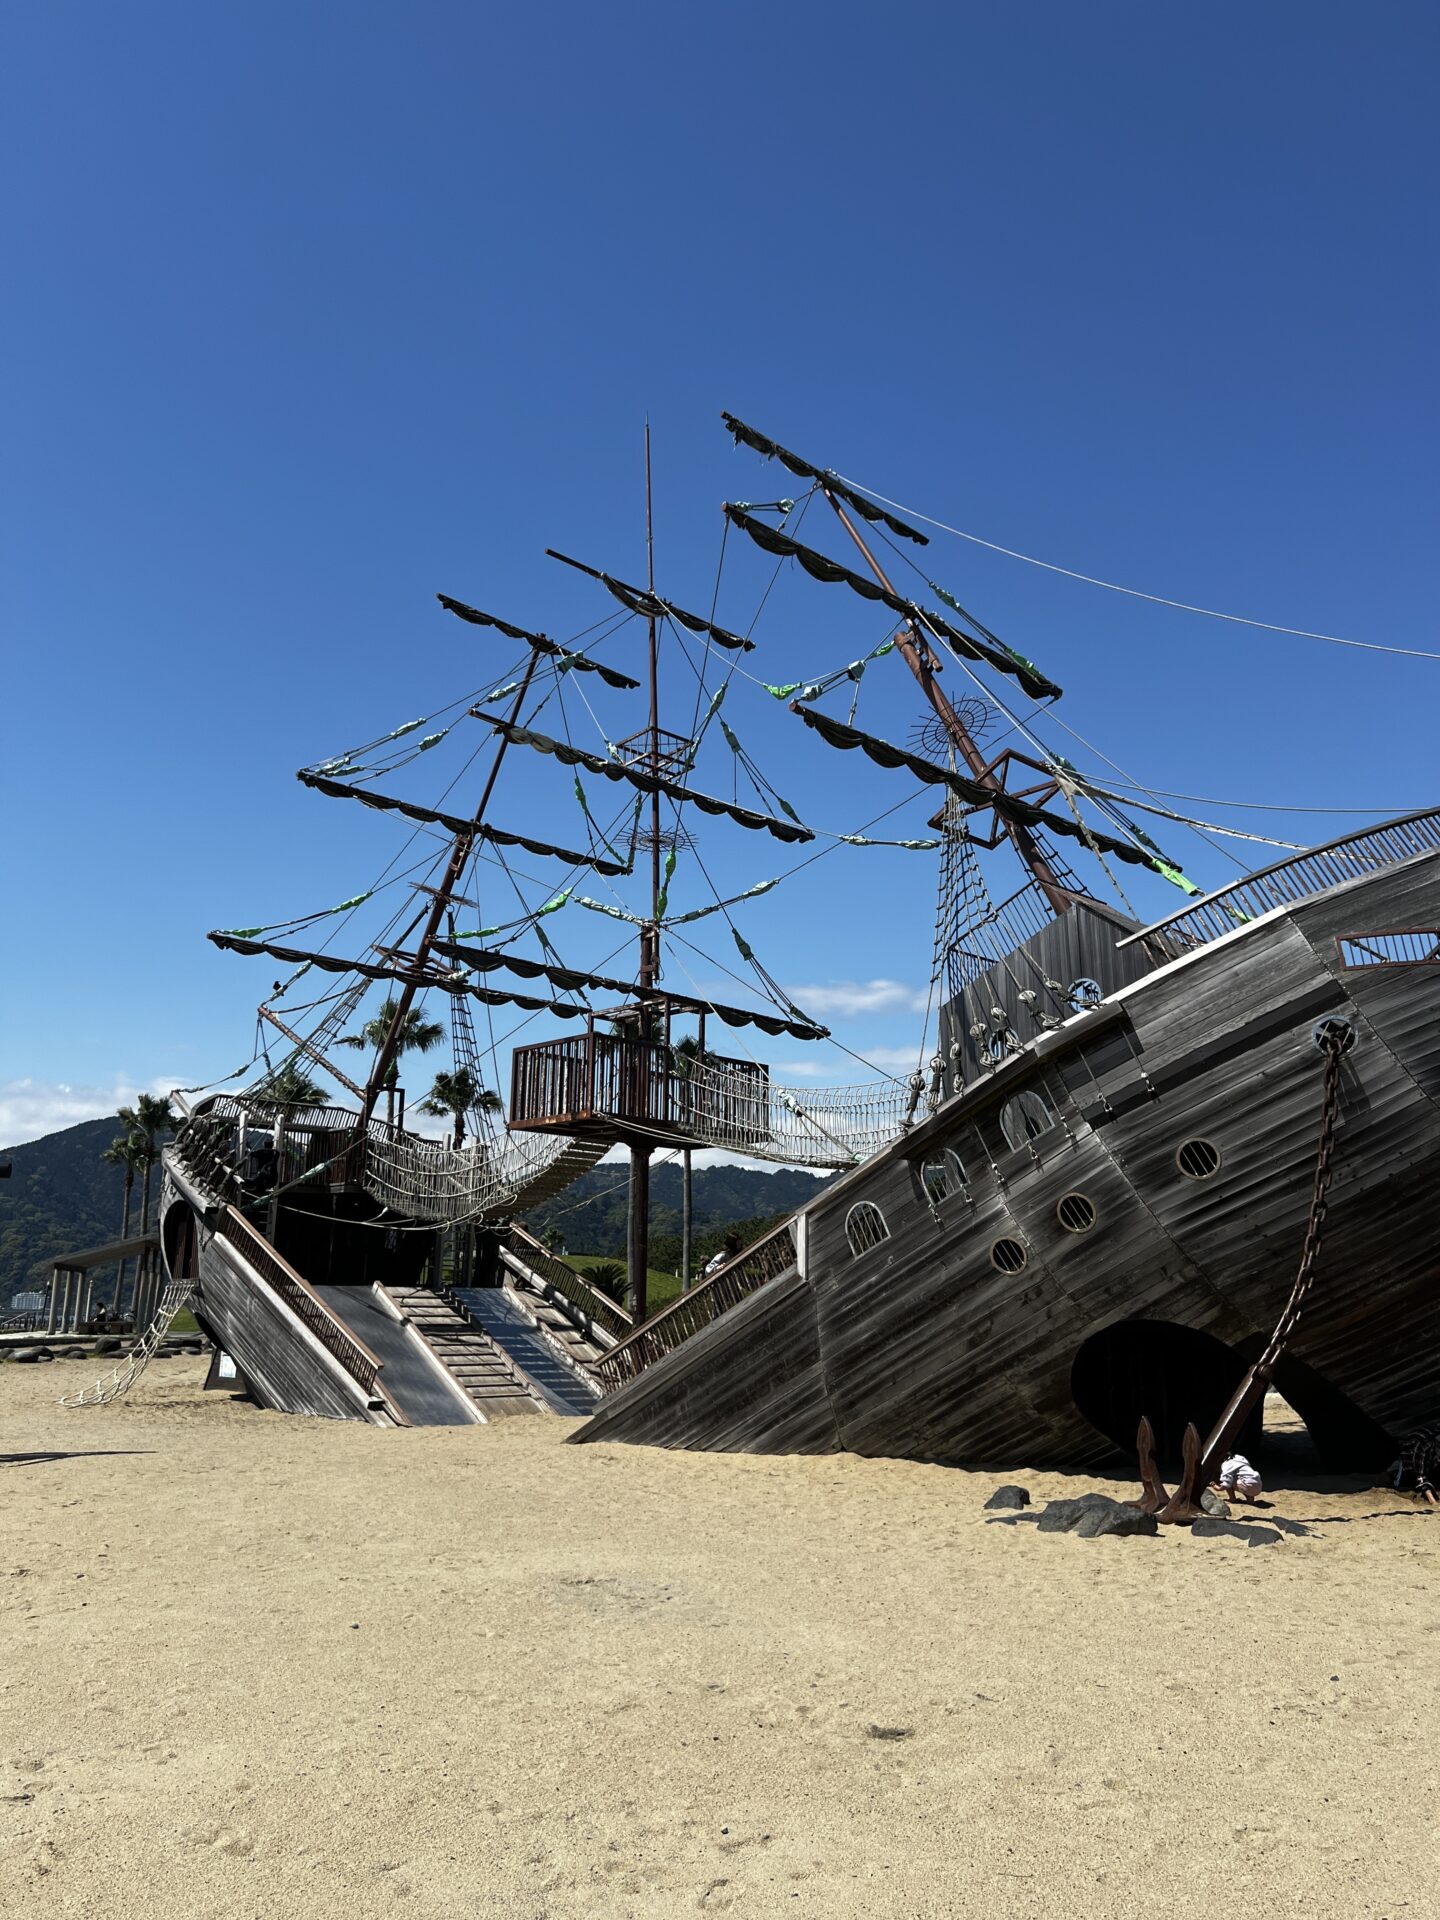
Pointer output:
60, 1197
590, 1215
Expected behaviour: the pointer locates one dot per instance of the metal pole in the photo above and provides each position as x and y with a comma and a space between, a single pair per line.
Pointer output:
1023, 840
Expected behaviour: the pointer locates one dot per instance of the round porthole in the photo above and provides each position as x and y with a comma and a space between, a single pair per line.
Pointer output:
1198, 1159
1075, 1213
1085, 992
1010, 1256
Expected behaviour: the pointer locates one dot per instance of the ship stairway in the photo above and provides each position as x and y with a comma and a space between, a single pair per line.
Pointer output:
534, 1347
477, 1364
571, 1310
771, 1257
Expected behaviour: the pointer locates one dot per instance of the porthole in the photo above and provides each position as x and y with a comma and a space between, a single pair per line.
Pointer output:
1010, 1256
1024, 1117
1085, 992
865, 1227
1075, 1213
1198, 1159
942, 1175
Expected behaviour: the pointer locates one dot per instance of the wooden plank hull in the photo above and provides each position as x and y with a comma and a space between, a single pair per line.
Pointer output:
926, 1346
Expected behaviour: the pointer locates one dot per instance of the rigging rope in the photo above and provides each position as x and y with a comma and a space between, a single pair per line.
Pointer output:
1134, 593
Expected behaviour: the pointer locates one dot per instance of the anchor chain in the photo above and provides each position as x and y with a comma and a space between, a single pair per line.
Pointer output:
1334, 1039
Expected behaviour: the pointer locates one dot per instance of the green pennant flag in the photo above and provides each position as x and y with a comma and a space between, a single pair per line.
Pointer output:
663, 897
300, 920
1176, 878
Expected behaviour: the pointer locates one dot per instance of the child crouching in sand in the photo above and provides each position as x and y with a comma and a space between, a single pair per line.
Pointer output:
1238, 1479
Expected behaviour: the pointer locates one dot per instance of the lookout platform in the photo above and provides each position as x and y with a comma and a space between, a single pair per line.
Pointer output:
628, 1090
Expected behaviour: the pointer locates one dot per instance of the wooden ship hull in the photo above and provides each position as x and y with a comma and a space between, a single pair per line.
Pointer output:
1109, 1223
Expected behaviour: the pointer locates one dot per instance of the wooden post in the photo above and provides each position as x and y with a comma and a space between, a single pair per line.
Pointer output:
638, 1237
54, 1299
685, 1218
272, 1218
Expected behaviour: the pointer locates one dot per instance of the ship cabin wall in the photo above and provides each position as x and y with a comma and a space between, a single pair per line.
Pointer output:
339, 1238
1077, 951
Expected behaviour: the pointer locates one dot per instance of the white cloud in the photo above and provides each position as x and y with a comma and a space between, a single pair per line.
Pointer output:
849, 997
29, 1109
898, 1060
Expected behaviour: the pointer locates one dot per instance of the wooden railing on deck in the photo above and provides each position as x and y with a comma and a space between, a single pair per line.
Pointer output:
1300, 877
673, 1325
358, 1361
570, 1284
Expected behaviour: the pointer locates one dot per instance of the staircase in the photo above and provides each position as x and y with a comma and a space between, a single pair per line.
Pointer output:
468, 1354
765, 1260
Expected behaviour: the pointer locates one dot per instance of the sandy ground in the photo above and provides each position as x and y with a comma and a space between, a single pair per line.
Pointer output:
273, 1667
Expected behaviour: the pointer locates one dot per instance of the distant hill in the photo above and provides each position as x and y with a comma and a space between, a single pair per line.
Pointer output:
60, 1197
591, 1214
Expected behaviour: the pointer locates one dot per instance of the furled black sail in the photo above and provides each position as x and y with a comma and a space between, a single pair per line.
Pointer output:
821, 567
570, 980
641, 600
973, 792
867, 509
372, 970
454, 823
540, 642
639, 777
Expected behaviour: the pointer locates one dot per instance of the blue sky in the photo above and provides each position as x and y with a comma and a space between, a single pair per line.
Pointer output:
318, 310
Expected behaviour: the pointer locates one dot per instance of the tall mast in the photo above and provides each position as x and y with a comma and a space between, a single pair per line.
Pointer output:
650, 950
915, 651
637, 1239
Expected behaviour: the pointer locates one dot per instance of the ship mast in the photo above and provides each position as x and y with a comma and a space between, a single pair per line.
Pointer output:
915, 650
441, 900
637, 1240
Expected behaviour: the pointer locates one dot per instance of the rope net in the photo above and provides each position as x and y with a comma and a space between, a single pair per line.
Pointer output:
112, 1385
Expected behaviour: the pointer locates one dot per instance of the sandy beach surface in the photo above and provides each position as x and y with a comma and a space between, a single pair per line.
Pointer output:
262, 1666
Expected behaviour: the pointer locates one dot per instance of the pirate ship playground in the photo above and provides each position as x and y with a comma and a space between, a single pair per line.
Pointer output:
1145, 1167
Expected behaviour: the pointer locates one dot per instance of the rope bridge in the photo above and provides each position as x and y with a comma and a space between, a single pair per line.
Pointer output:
797, 1126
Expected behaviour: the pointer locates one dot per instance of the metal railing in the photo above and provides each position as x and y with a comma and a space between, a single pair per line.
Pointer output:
673, 1325
1300, 877
570, 1284
358, 1361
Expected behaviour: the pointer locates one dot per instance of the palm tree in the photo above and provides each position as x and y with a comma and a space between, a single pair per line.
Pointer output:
416, 1035
456, 1094
290, 1087
150, 1116
126, 1150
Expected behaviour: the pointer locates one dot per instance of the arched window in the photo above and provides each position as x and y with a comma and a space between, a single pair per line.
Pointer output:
1024, 1117
942, 1175
865, 1227
1002, 1044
